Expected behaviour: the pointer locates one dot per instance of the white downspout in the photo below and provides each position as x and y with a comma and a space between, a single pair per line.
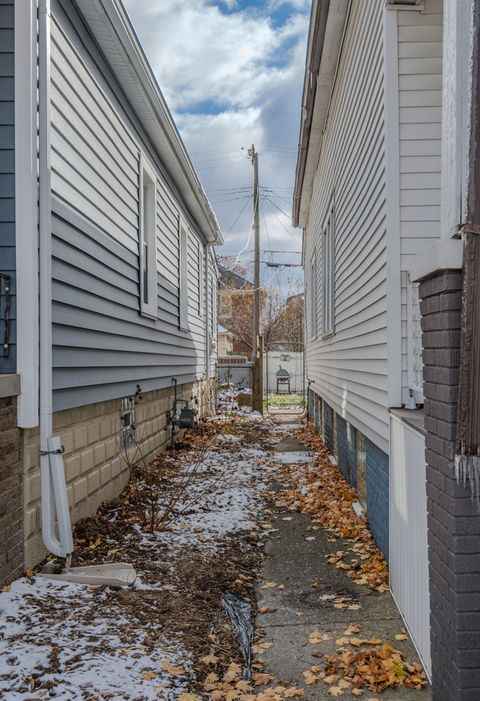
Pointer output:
53, 488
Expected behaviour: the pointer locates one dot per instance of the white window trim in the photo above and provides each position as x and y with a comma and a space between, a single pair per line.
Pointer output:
313, 296
202, 287
148, 244
182, 274
328, 273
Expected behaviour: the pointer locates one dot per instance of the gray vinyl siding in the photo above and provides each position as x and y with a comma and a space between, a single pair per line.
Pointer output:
103, 345
7, 174
350, 366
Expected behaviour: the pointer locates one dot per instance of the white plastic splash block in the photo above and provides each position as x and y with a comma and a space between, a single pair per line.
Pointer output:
119, 574
293, 457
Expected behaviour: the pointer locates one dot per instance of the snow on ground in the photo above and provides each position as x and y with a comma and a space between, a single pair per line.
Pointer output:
41, 628
65, 641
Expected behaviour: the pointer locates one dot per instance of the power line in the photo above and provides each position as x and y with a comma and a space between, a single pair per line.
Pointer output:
237, 218
280, 210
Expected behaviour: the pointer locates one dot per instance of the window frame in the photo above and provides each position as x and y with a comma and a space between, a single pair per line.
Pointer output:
183, 234
148, 241
201, 279
328, 273
414, 342
313, 296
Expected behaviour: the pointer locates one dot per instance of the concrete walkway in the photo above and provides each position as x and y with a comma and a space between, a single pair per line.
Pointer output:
306, 604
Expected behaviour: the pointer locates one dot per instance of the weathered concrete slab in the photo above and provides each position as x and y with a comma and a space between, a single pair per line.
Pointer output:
297, 609
291, 445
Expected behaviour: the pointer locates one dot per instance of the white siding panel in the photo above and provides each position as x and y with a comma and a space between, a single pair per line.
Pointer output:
420, 100
408, 535
350, 367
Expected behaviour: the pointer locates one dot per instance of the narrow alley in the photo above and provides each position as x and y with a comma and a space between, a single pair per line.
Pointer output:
242, 522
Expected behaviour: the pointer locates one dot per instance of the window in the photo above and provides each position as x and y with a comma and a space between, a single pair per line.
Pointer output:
328, 277
313, 295
183, 275
414, 343
148, 242
201, 279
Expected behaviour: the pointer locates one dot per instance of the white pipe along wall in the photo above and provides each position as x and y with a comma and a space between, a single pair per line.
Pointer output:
53, 488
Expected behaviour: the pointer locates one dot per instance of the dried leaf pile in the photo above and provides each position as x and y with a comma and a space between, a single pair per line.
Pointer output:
325, 494
377, 668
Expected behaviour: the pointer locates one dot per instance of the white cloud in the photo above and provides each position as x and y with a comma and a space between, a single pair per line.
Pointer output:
232, 79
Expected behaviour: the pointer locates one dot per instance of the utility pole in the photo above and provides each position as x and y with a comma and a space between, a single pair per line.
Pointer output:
256, 356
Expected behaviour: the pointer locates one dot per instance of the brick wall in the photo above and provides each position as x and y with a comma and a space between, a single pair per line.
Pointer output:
453, 519
95, 468
377, 486
11, 502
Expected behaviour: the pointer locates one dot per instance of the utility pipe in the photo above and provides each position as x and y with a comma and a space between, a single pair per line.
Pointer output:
53, 488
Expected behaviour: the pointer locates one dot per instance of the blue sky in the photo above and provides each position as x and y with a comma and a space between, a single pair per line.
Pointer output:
232, 74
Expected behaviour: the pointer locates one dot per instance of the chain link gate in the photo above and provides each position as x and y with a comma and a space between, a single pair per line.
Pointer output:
284, 377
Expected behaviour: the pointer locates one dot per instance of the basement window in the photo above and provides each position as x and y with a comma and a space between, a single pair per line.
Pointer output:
148, 242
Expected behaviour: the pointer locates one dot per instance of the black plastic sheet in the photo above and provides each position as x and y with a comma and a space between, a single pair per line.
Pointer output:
239, 612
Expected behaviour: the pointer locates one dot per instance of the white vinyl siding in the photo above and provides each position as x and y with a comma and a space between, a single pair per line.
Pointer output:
420, 117
350, 367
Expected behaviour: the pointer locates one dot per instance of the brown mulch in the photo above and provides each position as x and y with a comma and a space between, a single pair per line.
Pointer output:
188, 606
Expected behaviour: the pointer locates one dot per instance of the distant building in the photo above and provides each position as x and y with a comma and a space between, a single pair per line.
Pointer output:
225, 342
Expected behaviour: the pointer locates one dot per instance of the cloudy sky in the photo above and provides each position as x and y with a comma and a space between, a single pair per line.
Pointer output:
232, 74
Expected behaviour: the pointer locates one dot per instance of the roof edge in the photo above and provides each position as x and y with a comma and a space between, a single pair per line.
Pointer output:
327, 25
146, 98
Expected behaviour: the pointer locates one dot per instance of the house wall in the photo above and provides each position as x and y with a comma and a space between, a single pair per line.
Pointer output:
96, 468
420, 125
363, 464
103, 345
350, 367
11, 483
7, 174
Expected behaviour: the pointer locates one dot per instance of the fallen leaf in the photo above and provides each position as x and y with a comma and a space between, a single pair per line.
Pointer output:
147, 676
259, 647
401, 636
168, 667
335, 691
209, 659
262, 678
188, 697
309, 677
292, 692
